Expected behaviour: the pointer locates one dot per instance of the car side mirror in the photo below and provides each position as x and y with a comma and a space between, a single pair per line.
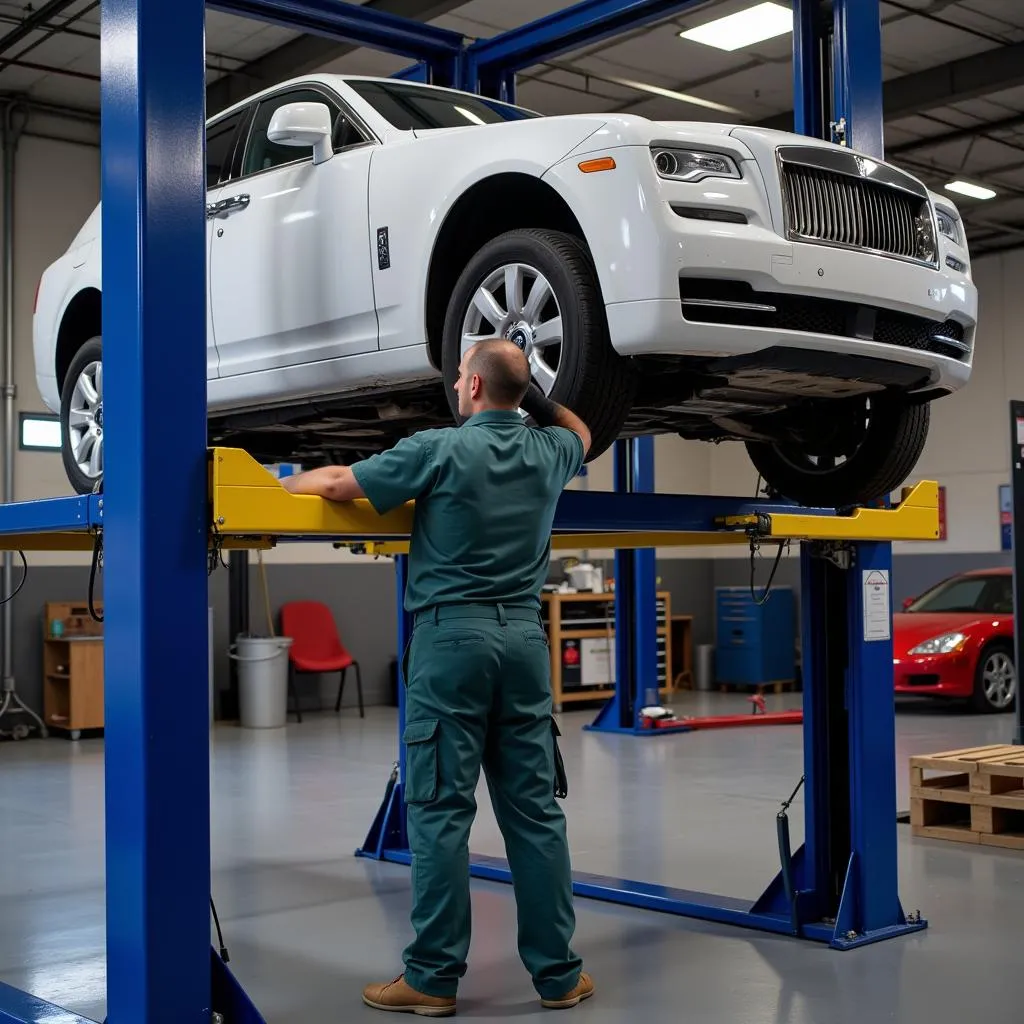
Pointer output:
303, 124
908, 601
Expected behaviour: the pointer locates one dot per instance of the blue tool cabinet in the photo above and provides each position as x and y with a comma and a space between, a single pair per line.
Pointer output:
755, 643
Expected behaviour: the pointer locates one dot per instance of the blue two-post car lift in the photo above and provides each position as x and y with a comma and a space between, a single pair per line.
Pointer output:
168, 500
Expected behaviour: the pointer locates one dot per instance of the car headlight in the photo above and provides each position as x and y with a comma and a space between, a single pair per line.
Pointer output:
945, 644
692, 164
949, 226
927, 246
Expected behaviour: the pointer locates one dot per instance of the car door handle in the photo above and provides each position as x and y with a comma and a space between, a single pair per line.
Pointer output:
239, 202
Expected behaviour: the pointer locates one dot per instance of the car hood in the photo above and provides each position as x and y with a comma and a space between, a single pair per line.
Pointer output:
913, 628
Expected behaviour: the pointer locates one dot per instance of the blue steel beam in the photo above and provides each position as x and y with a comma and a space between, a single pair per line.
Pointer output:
419, 72
592, 512
567, 30
51, 515
17, 1007
352, 23
156, 685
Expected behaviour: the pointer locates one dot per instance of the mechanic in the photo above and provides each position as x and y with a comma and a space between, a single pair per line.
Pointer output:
478, 669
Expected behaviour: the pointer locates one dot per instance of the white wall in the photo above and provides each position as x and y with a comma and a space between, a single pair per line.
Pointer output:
57, 184
56, 187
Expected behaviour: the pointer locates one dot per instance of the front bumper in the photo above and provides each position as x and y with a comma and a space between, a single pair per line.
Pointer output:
938, 675
650, 236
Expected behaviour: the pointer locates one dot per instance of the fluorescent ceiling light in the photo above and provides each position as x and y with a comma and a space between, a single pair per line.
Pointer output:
671, 94
754, 25
965, 188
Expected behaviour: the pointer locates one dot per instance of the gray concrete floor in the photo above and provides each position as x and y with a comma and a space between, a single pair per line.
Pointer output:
307, 924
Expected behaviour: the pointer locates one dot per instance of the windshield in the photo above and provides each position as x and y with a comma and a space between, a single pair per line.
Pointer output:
987, 595
410, 107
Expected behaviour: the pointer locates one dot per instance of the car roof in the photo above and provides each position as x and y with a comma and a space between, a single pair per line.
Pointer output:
998, 570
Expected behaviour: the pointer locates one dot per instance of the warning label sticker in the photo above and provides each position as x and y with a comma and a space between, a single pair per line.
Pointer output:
877, 609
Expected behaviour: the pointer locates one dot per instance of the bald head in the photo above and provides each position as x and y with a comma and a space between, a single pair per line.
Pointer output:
503, 371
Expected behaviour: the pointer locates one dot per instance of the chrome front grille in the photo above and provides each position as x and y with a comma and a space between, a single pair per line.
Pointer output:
843, 200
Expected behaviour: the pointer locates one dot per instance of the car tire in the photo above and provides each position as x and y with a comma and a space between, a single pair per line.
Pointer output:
994, 662
881, 459
589, 377
81, 412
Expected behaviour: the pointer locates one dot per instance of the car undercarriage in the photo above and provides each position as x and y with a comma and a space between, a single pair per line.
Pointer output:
779, 395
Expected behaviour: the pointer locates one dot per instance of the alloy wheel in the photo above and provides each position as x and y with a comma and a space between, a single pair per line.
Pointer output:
85, 421
517, 303
999, 680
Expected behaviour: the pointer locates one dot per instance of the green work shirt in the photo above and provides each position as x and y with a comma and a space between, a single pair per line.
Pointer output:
485, 498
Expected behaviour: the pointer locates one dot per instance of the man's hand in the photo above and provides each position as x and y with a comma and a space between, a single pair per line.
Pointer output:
550, 414
335, 483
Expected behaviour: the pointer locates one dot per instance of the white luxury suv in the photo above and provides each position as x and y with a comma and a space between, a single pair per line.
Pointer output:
714, 281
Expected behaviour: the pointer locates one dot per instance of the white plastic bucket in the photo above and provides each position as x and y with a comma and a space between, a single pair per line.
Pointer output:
262, 680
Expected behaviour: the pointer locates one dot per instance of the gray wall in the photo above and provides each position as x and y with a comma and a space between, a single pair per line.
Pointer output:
362, 599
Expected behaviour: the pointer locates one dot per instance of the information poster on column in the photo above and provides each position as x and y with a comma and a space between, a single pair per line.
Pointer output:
877, 611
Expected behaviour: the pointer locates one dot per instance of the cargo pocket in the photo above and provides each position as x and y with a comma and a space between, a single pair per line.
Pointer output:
561, 780
420, 740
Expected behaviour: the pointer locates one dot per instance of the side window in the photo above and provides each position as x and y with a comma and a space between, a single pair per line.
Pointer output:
220, 145
262, 154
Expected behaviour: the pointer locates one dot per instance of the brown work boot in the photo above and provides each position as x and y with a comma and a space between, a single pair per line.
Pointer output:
584, 990
399, 997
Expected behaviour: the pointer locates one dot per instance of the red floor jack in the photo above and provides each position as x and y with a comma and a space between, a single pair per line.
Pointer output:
759, 715
655, 717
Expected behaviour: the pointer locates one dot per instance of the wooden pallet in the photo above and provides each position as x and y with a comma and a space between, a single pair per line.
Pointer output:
977, 797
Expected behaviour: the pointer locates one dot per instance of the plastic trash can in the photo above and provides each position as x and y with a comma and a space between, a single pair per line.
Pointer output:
705, 674
262, 680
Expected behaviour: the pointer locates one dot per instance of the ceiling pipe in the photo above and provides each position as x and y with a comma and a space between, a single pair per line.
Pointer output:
37, 21
14, 120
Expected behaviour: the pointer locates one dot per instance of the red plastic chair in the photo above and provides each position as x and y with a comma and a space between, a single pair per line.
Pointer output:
316, 648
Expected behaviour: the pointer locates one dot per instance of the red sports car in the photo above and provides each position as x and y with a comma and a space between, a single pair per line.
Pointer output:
956, 640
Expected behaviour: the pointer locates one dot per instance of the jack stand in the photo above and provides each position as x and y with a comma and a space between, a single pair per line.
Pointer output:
13, 705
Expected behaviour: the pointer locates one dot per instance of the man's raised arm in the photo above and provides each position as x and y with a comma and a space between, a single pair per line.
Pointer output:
550, 414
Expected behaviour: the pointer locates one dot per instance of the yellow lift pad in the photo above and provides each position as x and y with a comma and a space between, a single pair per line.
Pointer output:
249, 502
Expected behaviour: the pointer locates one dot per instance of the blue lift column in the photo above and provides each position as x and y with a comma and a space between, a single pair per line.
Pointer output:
388, 829
847, 868
857, 74
157, 696
636, 614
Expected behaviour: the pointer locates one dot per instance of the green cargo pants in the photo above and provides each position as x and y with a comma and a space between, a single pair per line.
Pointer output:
478, 693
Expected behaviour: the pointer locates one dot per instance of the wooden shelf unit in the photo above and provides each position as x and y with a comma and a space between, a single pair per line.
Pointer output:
561, 610
72, 668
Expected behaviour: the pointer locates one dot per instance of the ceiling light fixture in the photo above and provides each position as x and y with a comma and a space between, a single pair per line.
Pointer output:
754, 25
671, 94
965, 188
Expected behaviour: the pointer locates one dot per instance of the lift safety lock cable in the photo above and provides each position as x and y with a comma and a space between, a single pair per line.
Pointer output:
222, 949
96, 567
755, 547
24, 576
786, 857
